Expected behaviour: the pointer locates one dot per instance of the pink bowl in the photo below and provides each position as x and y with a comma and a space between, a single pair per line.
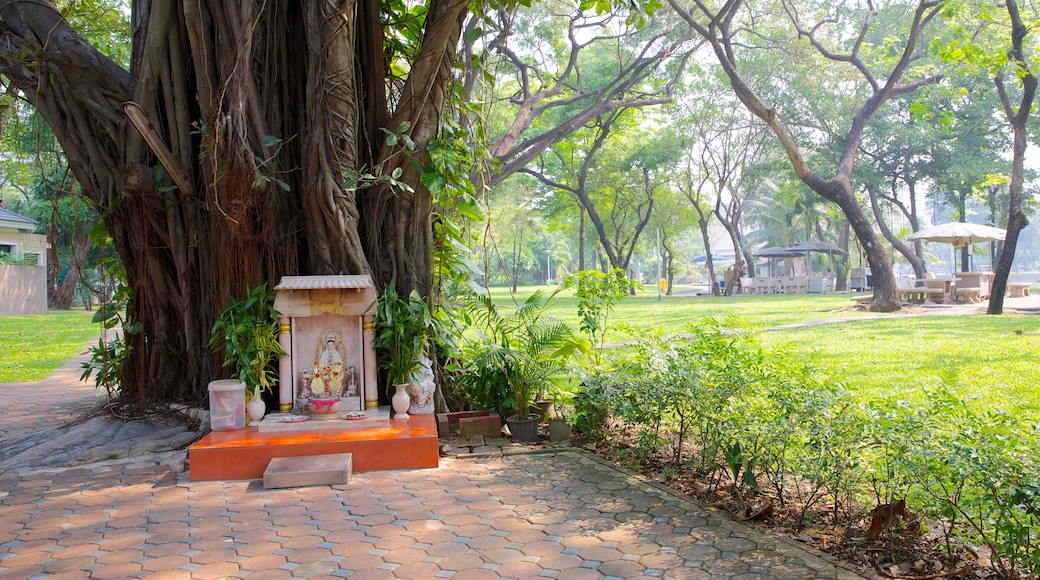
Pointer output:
324, 406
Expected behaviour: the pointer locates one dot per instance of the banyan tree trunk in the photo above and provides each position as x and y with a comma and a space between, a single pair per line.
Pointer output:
251, 118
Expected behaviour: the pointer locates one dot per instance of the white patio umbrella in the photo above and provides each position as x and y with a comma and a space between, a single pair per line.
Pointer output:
959, 233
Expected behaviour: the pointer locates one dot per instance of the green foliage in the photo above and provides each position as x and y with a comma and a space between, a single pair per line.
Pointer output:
9, 260
453, 155
247, 332
767, 423
354, 180
732, 410
111, 351
403, 331
974, 469
509, 356
106, 363
597, 293
104, 23
108, 355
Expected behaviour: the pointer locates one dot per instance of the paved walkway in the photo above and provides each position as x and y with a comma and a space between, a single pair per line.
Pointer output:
559, 515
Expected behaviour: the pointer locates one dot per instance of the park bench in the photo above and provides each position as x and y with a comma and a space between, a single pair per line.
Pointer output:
969, 294
1018, 289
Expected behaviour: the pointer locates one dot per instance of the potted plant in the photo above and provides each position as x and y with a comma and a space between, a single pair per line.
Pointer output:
403, 330
515, 354
561, 396
247, 332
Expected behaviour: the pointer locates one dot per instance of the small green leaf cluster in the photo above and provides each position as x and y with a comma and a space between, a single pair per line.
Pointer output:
112, 349
247, 333
354, 180
598, 292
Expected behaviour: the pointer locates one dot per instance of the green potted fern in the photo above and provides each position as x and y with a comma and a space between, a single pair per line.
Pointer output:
515, 354
247, 333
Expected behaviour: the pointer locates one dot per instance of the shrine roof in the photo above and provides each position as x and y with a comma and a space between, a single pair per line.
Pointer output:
323, 282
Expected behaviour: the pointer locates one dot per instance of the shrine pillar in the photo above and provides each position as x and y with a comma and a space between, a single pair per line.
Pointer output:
371, 376
285, 372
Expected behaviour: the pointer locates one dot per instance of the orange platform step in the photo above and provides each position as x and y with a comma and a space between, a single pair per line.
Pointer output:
244, 454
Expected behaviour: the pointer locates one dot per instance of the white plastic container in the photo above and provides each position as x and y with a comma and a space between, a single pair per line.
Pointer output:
227, 405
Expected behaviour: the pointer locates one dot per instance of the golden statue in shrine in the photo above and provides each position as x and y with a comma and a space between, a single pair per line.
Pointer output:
327, 377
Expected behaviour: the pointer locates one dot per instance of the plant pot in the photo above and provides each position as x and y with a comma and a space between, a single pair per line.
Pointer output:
255, 409
559, 430
545, 409
400, 401
523, 429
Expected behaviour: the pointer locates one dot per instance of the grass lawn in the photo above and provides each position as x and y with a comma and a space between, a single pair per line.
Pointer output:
992, 358
35, 346
673, 313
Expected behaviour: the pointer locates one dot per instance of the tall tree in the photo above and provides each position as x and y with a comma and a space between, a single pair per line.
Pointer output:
617, 195
726, 143
559, 66
1017, 74
514, 226
35, 164
723, 27
270, 138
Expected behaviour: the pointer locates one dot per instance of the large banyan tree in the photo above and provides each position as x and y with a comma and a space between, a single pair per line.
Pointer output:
258, 148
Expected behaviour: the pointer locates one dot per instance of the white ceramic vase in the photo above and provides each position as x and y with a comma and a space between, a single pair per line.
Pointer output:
400, 401
255, 409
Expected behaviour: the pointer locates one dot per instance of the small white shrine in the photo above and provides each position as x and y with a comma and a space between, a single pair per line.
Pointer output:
327, 327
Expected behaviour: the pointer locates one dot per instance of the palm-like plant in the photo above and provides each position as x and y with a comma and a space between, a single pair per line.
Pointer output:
515, 353
404, 327
247, 332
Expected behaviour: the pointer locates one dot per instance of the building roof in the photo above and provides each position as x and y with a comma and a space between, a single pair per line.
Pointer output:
12, 220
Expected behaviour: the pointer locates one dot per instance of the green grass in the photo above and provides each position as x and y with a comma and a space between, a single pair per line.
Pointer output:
990, 358
672, 314
35, 346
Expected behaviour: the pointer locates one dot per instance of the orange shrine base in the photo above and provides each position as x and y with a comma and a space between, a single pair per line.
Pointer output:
244, 454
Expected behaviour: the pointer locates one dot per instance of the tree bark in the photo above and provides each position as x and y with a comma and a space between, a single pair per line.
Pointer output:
264, 107
908, 252
65, 293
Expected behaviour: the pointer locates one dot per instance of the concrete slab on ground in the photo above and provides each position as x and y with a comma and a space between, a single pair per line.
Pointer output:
331, 469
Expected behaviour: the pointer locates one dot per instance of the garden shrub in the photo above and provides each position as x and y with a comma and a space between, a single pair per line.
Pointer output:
761, 419
975, 472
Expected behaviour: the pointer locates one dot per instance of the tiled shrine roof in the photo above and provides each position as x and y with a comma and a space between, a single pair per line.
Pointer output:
323, 282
